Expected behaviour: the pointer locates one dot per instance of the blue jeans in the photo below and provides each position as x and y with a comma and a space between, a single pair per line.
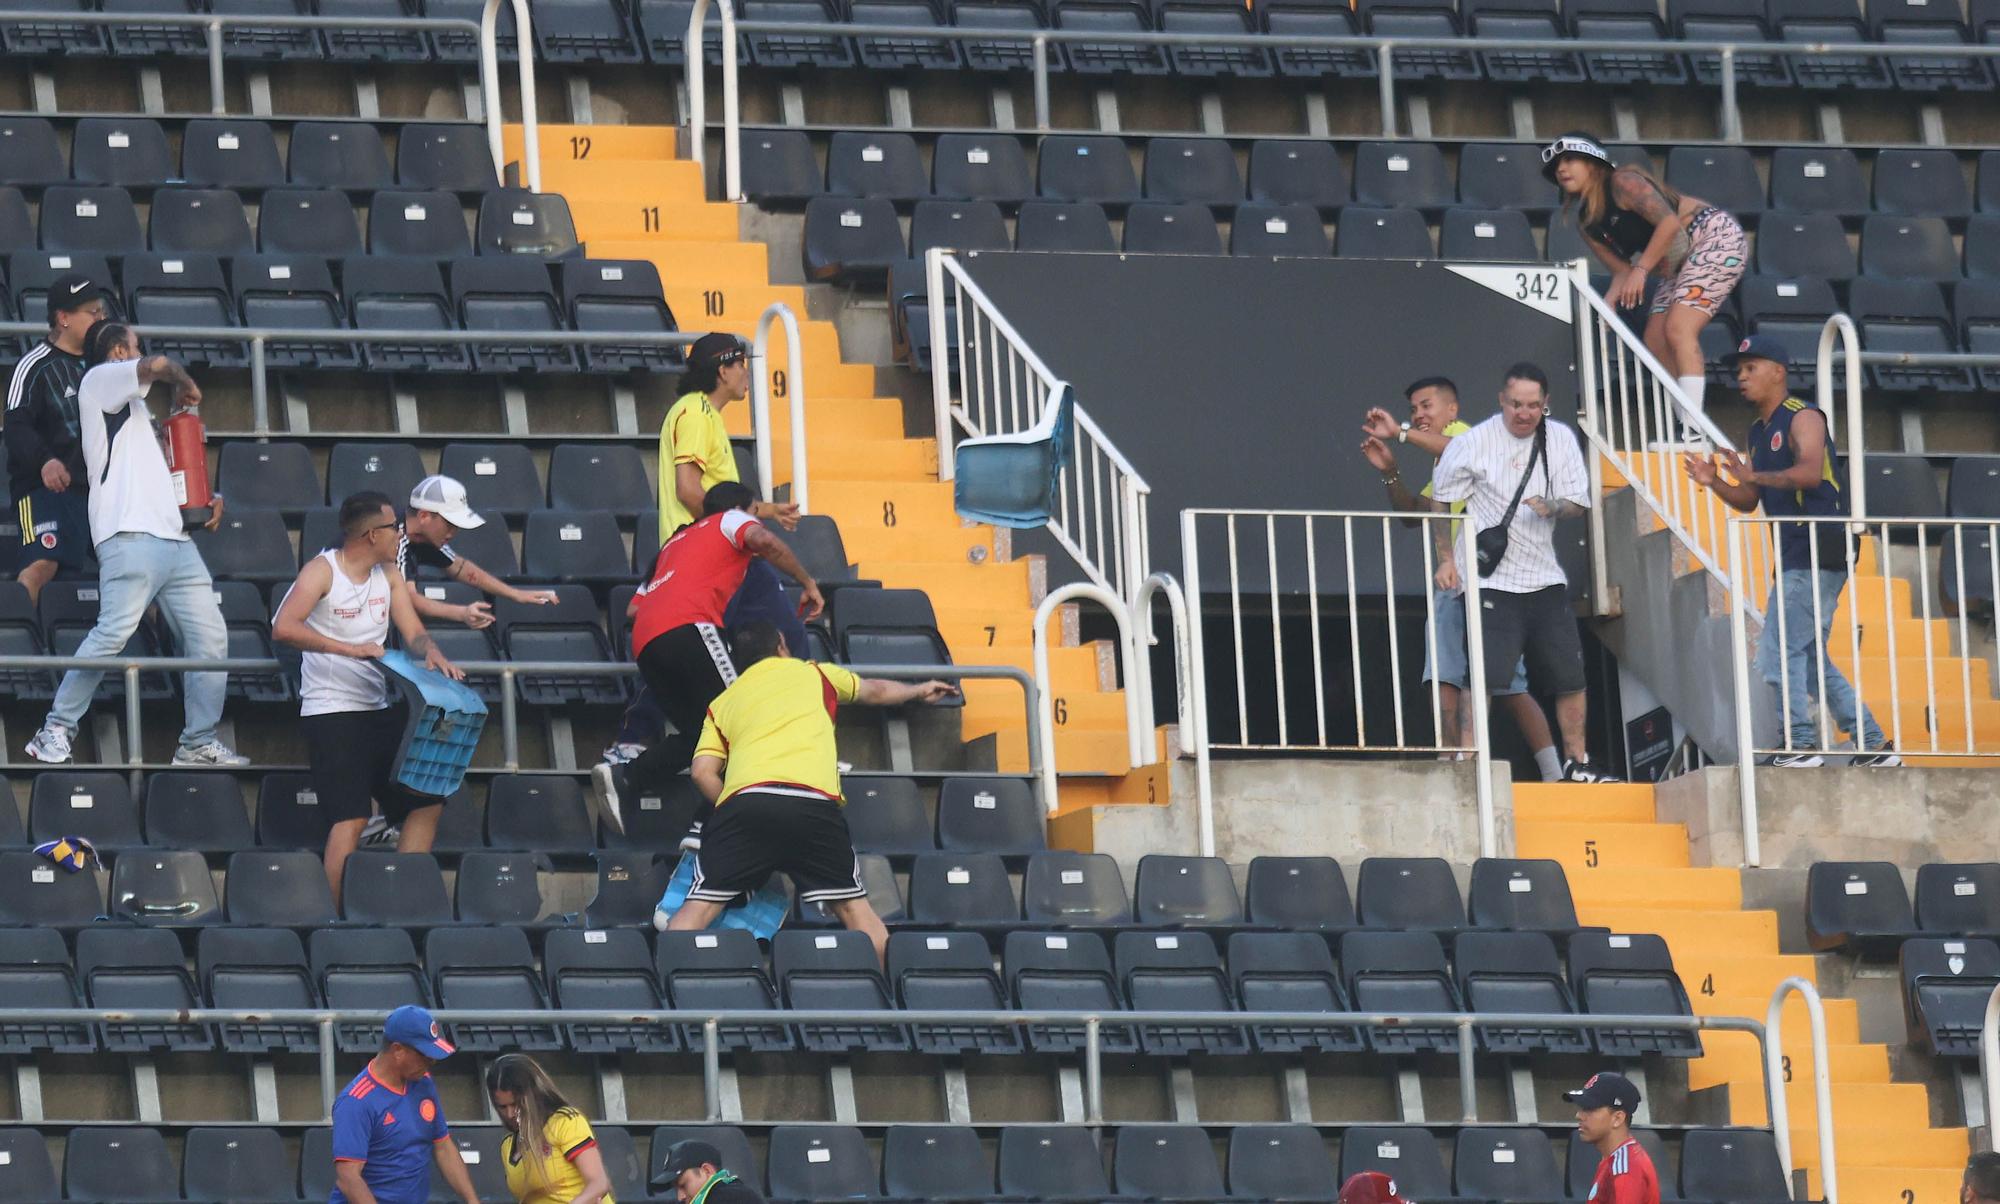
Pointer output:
134, 570
1797, 588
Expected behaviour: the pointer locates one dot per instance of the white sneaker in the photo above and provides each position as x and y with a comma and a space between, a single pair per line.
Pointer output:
51, 744
378, 831
623, 753
1799, 760
213, 753
604, 796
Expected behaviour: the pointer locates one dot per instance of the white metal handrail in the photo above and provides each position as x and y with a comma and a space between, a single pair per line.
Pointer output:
1839, 329
1989, 1065
795, 394
1136, 723
1778, 1109
489, 79
1635, 416
987, 380
1350, 528
697, 100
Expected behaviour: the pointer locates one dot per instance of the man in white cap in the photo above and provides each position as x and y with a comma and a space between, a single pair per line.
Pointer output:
438, 511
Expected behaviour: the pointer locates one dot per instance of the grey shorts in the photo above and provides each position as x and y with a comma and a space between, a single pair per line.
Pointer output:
1538, 628
1448, 665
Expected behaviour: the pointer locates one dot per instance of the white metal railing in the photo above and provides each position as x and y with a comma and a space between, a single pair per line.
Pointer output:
1924, 687
1347, 651
1989, 1066
489, 80
1778, 1108
986, 380
1636, 418
697, 100
795, 394
1839, 329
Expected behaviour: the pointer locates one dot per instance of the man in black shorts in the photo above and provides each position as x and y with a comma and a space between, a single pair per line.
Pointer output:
766, 761
45, 475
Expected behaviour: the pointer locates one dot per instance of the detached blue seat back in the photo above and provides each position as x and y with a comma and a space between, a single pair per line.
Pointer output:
1011, 480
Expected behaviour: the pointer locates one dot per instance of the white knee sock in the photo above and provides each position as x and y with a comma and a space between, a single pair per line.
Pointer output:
1550, 764
1693, 386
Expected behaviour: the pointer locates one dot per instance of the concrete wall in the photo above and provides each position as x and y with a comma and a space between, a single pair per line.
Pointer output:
1907, 815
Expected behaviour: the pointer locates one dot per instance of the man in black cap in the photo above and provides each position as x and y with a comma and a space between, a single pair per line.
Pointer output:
693, 1169
45, 475
1792, 472
1982, 1179
1604, 1107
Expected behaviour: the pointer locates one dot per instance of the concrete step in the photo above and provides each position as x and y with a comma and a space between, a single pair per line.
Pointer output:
1078, 709
1558, 803
834, 458
1147, 785
1602, 847
1727, 932
1702, 888
1950, 680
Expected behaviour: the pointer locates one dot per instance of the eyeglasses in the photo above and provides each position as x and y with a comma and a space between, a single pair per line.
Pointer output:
733, 357
381, 527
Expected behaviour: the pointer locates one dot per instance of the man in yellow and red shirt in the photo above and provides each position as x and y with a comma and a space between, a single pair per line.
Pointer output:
766, 761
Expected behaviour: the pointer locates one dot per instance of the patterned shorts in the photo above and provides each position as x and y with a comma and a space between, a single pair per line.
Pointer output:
1717, 255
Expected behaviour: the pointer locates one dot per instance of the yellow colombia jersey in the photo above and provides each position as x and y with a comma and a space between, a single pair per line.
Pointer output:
1452, 431
567, 1134
692, 434
774, 727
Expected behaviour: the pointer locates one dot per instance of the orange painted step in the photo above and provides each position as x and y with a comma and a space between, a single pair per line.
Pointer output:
1843, 1017
955, 584
1699, 887
1893, 1185
1604, 847
1094, 709
714, 263
1733, 1056
998, 625
1146, 785
920, 503
949, 545
602, 224
1705, 971
1884, 1145
1076, 751
1721, 930
1622, 803
866, 422
597, 143
1951, 678
1855, 1105
642, 181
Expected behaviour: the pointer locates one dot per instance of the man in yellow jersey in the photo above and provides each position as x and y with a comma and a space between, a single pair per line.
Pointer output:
766, 760
695, 455
1433, 424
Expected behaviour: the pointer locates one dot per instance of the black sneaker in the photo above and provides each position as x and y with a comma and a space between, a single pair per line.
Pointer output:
1888, 758
1582, 772
606, 780
1801, 760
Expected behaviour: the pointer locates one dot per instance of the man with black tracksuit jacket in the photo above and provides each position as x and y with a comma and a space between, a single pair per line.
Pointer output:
45, 476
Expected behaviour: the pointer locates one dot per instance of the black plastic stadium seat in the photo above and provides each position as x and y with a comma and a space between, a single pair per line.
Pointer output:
1912, 22
200, 219
989, 815
500, 478
270, 42
1364, 232
1063, 226
1152, 227
578, 547
1626, 21
950, 971
876, 164
887, 627
500, 293
1287, 172
499, 888
34, 155
1178, 972
1486, 235
835, 971
786, 49
1401, 972
394, 888
488, 968
389, 468
958, 226
1390, 174
35, 972
451, 158
934, 1162
183, 289
1804, 244
163, 888
1104, 58
34, 895
234, 1163
1728, 21
1907, 316
900, 52
374, 44
307, 221
428, 224
961, 890
584, 31
1165, 1162
1087, 168
1959, 899
616, 296
722, 970
1198, 170
1288, 19
50, 34
345, 155
1065, 971
820, 1162
1290, 972
1720, 175
1521, 895
1218, 18
1619, 974
365, 969
258, 970
1069, 888
1516, 972
127, 1164
21, 635
981, 167
1817, 180
1176, 890
1408, 1154
392, 293
1257, 228
599, 476
288, 813
778, 167
139, 969
1921, 183
1503, 175
514, 221
569, 630
1946, 983
1051, 1162
96, 806
1421, 19
270, 476
886, 815
1409, 892
296, 292
1530, 20
250, 545
1301, 893
92, 218
1506, 1164
852, 238
130, 152
1280, 1162
1732, 1164
538, 814
68, 612
1858, 906
1791, 311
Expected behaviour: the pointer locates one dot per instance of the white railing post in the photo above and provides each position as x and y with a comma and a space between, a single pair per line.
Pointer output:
1588, 401
1779, 1107
1840, 328
1746, 728
1198, 687
697, 85
935, 284
1989, 1064
1478, 699
795, 394
489, 78
1135, 726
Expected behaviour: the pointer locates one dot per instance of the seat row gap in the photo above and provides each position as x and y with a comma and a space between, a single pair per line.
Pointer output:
28, 1091
264, 1091
259, 86
1213, 123
611, 1091
1107, 110
1409, 1095
957, 1095
840, 1090
1002, 107
146, 1091
580, 112
1522, 111
1298, 1095
1180, 1088
1521, 1085
45, 91
367, 101
901, 115
792, 103
152, 92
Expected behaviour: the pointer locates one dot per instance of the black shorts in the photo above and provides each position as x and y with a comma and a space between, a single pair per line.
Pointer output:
1540, 627
755, 834
56, 526
352, 755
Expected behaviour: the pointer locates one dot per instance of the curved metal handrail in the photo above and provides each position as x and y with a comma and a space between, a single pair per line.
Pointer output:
1135, 726
1840, 328
1779, 1110
489, 78
795, 394
697, 101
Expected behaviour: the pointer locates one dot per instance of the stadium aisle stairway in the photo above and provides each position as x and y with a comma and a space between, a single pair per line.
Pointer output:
1878, 606
1631, 873
633, 199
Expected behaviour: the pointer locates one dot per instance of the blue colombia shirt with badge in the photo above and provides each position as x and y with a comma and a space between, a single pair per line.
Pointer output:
392, 1132
1771, 451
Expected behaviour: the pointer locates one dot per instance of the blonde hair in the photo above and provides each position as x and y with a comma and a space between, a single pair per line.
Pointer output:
539, 1100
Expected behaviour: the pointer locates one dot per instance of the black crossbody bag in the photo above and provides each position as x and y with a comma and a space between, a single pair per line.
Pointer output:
1491, 544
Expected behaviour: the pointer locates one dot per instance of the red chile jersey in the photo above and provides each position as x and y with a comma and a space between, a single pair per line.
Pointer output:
696, 575
1626, 1176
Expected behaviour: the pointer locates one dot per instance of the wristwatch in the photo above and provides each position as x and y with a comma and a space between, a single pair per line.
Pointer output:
1403, 435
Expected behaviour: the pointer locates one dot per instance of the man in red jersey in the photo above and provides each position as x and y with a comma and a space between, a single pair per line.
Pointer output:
1604, 1108
1371, 1187
677, 632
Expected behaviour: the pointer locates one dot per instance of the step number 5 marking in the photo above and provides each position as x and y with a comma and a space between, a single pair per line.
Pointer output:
1590, 854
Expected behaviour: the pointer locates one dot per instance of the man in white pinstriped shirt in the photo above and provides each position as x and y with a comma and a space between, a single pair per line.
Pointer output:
1524, 605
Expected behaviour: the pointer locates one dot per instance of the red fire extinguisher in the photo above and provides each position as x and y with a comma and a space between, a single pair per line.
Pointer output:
187, 465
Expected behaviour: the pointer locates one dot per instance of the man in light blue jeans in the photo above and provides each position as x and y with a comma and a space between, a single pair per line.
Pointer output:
1798, 682
144, 554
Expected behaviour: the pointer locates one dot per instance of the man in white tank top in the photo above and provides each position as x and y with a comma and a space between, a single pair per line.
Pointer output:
338, 614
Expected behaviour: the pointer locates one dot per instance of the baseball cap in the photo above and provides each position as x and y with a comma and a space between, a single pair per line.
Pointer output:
1572, 143
1758, 347
412, 1026
445, 496
716, 349
1605, 1089
684, 1156
74, 290
1370, 1187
